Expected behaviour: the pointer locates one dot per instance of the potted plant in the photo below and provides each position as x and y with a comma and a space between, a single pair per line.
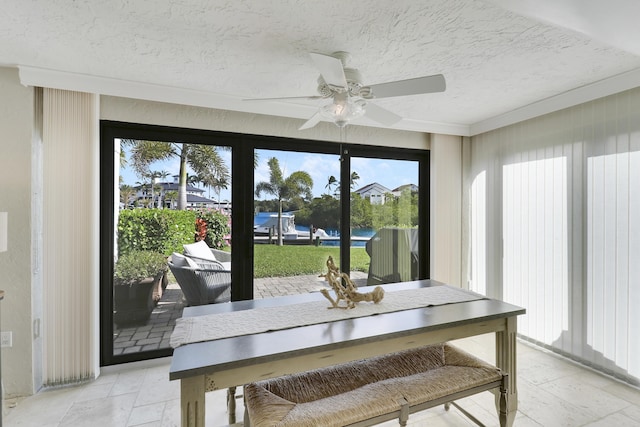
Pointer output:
137, 276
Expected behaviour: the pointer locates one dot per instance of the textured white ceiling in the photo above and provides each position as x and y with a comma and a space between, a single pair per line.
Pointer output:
497, 55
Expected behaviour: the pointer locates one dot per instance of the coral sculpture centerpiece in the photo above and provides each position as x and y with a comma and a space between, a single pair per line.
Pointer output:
345, 290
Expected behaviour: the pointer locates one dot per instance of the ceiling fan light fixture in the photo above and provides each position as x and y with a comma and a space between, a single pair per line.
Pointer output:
343, 110
350, 97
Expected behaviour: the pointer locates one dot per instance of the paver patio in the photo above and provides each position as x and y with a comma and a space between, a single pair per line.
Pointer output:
155, 333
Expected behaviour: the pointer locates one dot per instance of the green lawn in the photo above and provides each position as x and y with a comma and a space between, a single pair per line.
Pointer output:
292, 260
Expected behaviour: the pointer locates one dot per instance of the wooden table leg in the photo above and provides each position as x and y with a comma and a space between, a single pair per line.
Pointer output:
506, 360
192, 401
231, 404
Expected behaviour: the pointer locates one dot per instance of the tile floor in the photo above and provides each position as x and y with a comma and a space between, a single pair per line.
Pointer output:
552, 392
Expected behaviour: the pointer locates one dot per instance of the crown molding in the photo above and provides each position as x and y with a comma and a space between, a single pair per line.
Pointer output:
571, 98
33, 76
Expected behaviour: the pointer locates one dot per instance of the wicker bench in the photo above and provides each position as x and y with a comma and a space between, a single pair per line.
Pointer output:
371, 391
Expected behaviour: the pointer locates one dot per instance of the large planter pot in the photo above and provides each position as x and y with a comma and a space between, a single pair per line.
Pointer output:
133, 303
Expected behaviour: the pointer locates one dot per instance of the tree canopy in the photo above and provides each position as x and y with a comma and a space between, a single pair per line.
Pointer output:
298, 184
204, 160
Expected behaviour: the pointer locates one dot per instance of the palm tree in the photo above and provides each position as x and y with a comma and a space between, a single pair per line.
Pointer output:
193, 180
298, 184
145, 196
331, 182
126, 193
123, 163
163, 175
170, 196
218, 184
352, 179
202, 159
153, 176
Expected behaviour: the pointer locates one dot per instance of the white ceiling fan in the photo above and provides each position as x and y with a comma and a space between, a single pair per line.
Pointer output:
350, 97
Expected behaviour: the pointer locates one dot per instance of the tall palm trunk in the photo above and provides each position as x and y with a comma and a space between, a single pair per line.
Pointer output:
150, 204
182, 180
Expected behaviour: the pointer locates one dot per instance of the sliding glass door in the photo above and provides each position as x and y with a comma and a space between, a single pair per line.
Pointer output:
176, 201
366, 208
167, 194
171, 196
296, 221
384, 220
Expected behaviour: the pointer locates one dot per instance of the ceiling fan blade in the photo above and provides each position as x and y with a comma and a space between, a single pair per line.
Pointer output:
381, 115
330, 68
314, 120
427, 84
285, 98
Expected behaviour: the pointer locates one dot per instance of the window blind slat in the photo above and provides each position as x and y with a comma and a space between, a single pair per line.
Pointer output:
69, 235
566, 242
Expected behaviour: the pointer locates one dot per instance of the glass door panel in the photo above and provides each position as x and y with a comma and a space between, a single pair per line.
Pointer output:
167, 195
384, 220
296, 222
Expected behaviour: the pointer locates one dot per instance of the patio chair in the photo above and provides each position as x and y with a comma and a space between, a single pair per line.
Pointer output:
206, 282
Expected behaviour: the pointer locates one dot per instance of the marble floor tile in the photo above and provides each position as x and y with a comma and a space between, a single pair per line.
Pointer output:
552, 392
143, 415
156, 387
585, 397
129, 382
46, 408
617, 420
633, 412
105, 412
547, 409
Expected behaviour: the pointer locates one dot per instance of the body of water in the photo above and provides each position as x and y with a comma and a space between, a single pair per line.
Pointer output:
262, 217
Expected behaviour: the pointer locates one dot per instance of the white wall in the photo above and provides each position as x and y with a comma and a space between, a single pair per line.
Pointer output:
16, 124
149, 112
446, 209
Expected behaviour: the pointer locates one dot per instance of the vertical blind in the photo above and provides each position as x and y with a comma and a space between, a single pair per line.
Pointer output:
555, 228
70, 273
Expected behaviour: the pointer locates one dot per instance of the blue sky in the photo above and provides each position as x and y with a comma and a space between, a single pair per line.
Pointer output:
390, 173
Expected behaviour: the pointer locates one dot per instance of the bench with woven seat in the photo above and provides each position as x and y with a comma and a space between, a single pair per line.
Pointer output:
371, 391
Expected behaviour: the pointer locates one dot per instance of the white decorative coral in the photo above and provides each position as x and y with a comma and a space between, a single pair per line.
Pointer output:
346, 290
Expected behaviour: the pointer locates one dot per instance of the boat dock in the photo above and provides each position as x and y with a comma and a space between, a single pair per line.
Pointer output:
304, 239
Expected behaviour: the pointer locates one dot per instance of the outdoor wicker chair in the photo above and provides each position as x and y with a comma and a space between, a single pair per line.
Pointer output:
206, 282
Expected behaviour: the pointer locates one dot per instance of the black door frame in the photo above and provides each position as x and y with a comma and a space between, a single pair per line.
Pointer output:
243, 147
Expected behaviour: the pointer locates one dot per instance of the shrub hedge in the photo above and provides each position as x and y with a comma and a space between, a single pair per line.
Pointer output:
218, 227
157, 230
166, 230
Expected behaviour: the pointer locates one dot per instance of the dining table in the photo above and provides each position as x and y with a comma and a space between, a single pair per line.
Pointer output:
211, 352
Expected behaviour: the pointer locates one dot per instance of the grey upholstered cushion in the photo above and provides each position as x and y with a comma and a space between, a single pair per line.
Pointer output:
199, 250
180, 260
